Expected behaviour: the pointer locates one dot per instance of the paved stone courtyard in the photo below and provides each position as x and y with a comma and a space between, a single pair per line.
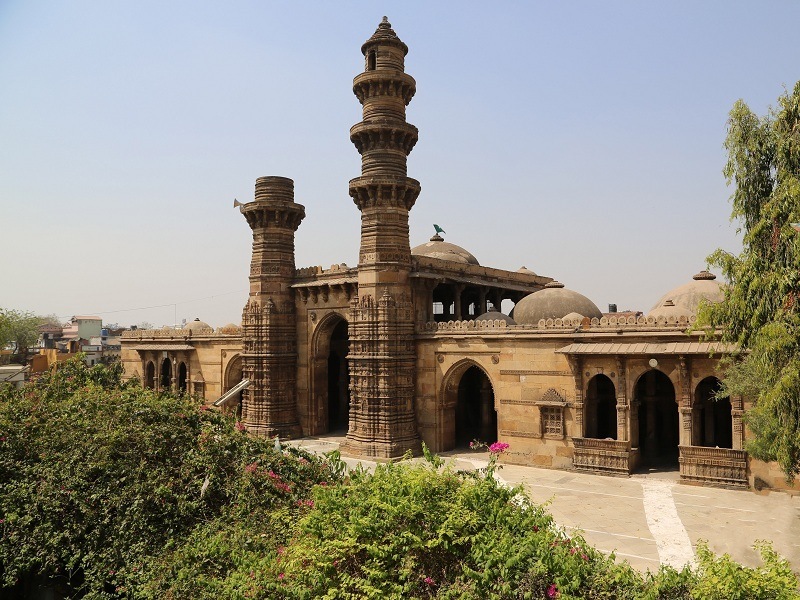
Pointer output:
646, 520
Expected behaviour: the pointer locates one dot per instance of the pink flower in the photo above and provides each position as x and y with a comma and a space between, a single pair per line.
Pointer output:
584, 557
498, 447
281, 576
240, 426
552, 591
429, 580
251, 468
573, 550
281, 549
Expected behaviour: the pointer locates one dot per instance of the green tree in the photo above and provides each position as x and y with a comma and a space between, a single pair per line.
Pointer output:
761, 310
20, 329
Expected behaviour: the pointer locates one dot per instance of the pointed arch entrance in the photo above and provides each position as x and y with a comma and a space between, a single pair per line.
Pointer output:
469, 408
330, 406
658, 421
712, 424
182, 377
601, 408
166, 374
150, 375
234, 376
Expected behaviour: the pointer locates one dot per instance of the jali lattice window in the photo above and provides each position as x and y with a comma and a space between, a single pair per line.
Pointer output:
552, 421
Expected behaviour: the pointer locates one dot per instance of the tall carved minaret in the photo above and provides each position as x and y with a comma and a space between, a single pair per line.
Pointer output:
269, 333
381, 358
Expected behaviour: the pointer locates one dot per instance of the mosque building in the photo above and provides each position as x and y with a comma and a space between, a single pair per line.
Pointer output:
410, 347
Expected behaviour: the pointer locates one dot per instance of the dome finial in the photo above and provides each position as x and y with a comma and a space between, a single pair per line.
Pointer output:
704, 276
385, 23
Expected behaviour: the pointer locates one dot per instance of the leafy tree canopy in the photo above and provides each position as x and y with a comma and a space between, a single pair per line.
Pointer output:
761, 310
20, 329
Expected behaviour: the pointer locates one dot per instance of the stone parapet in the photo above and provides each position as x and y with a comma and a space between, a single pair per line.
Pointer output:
609, 456
715, 466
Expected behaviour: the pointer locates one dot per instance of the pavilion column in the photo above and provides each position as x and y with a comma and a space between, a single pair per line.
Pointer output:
685, 404
458, 289
481, 308
496, 298
576, 366
622, 401
737, 411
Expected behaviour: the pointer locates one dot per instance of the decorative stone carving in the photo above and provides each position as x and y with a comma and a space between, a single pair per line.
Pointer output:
715, 466
382, 354
269, 335
601, 455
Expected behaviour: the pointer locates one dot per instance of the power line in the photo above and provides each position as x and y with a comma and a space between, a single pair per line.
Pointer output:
122, 310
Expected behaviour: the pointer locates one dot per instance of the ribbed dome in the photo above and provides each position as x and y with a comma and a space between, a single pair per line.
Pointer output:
438, 248
495, 315
685, 299
196, 325
553, 302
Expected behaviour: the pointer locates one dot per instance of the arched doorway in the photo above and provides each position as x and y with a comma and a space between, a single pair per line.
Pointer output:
150, 375
166, 374
711, 416
329, 408
233, 376
475, 416
182, 376
600, 414
338, 379
658, 420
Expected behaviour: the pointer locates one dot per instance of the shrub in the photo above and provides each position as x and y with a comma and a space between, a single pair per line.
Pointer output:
97, 476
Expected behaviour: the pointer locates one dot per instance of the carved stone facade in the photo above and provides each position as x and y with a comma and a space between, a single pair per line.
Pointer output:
409, 346
382, 317
268, 320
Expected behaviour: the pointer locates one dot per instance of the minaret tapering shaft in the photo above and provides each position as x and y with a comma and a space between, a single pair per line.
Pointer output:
382, 354
269, 331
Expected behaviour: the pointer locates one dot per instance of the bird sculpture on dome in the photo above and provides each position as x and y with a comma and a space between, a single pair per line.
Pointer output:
438, 229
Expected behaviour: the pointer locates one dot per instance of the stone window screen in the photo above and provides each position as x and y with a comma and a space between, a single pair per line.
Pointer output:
552, 418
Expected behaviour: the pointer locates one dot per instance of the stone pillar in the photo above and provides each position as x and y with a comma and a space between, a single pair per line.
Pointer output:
576, 366
481, 308
458, 291
685, 402
269, 328
623, 434
737, 411
382, 352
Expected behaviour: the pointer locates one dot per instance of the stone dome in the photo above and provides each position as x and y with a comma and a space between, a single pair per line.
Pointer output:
685, 299
525, 270
230, 328
196, 325
438, 248
553, 302
573, 316
495, 315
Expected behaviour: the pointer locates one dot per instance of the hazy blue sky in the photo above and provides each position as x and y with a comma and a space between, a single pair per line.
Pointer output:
580, 139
